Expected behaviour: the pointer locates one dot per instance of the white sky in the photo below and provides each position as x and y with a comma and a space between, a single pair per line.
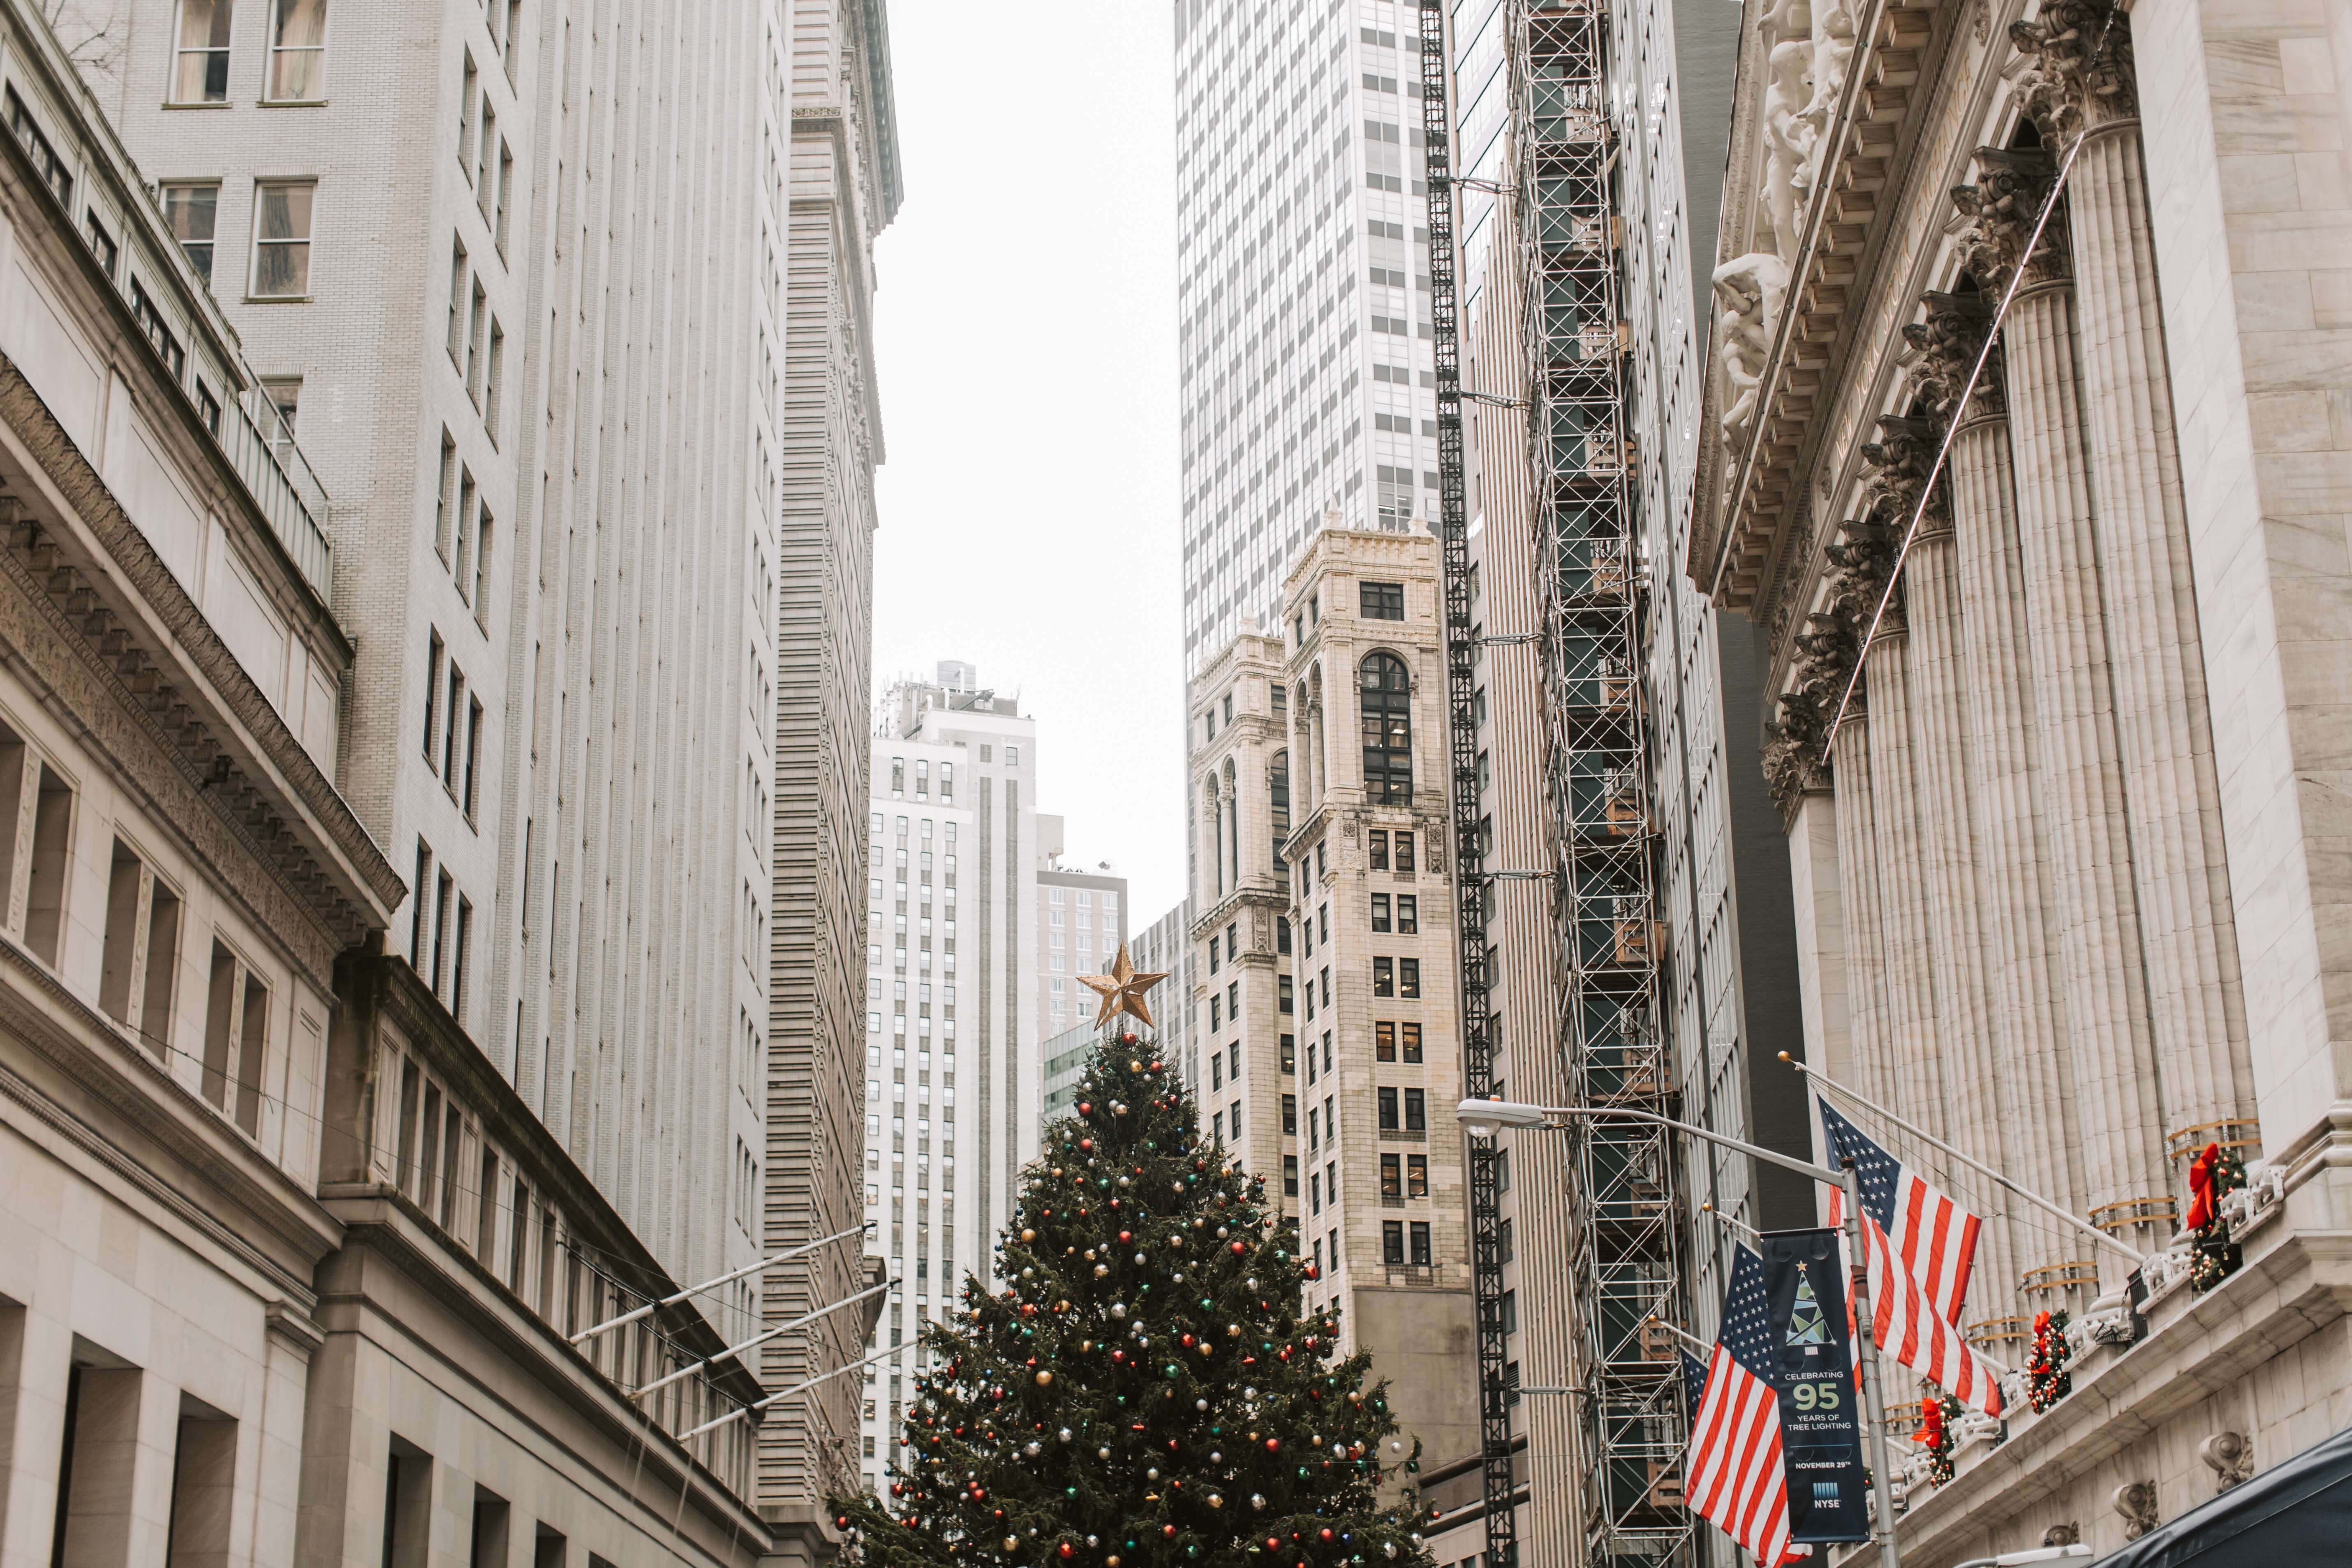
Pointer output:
1025, 329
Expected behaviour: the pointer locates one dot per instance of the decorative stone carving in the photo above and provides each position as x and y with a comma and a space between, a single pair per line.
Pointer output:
1899, 462
1832, 35
2067, 1534
2229, 1456
1789, 137
1948, 342
2080, 74
2004, 204
2135, 1501
1749, 290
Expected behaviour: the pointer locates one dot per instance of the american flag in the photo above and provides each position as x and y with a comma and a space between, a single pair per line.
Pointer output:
1920, 1245
1936, 1237
1735, 1479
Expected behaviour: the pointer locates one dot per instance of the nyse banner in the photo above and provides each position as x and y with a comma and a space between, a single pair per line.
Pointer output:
1820, 1415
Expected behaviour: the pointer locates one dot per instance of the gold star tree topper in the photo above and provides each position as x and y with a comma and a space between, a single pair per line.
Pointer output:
1122, 990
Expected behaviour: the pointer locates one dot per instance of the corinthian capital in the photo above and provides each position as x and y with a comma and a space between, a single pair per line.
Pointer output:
1899, 462
2004, 203
1948, 342
2081, 73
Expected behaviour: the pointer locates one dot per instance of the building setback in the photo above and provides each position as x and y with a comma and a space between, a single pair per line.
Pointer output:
271, 1217
1324, 969
2069, 890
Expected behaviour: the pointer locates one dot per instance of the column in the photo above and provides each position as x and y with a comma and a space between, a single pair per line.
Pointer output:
1819, 904
2034, 1063
1857, 860
2082, 793
2163, 726
1908, 1050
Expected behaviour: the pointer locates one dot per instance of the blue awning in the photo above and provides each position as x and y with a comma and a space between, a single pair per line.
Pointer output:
2295, 1514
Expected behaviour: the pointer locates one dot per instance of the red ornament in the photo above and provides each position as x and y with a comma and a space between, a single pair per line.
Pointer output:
1313, 1272
1085, 1110
1169, 1531
1155, 1066
1239, 1250
1124, 1237
1069, 1551
1327, 1532
1271, 1443
1086, 1143
1272, 1545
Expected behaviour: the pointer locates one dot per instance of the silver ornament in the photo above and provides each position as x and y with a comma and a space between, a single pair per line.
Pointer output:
1064, 1433
1118, 1309
1102, 1453
1200, 1405
1033, 1448
1216, 1457
1257, 1500
1152, 1474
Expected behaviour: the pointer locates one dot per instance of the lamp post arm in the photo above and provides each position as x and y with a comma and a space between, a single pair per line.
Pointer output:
1754, 1150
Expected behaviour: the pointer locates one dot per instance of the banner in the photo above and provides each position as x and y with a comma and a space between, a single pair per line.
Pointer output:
1820, 1409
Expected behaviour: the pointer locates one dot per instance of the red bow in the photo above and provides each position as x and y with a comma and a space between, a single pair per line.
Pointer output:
2041, 1323
2200, 1186
1931, 1422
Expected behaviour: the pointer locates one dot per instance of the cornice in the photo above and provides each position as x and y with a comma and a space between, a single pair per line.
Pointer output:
94, 1057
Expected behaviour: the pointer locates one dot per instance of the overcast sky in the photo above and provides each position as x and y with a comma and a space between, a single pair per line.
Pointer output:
1025, 329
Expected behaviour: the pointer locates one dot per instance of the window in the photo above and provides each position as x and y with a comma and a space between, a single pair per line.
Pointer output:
1421, 1243
1392, 1177
200, 57
1282, 994
1379, 911
1410, 1035
456, 301
1504, 1251
1315, 1191
1416, 1112
486, 167
102, 244
462, 944
1388, 1110
479, 597
1384, 977
1384, 1042
1314, 1128
298, 51
1290, 1175
1378, 849
1237, 1119
1392, 1242
1290, 1115
236, 1037
1217, 1123
1386, 693
1403, 853
142, 938
490, 380
1213, 953
1289, 1053
1416, 1175
478, 315
1408, 914
281, 238
1383, 601
192, 210
466, 115
1281, 934
1409, 977
1216, 1058
469, 794
506, 194
433, 651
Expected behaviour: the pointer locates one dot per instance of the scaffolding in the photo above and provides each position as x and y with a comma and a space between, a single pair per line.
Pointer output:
1471, 880
1627, 1218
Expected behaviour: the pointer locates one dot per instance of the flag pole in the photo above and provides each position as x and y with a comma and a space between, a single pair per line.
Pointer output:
1873, 1400
2036, 1199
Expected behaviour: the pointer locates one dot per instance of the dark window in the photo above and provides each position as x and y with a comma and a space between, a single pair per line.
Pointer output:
1314, 1129
1408, 977
1510, 1311
1326, 1050
1315, 1191
1290, 1175
1281, 935
1289, 1053
1416, 1113
1233, 942
1392, 1177
1290, 1113
1416, 1175
1408, 914
1216, 1060
1387, 699
1411, 1034
1379, 849
1213, 945
1503, 1251
1421, 1243
1383, 601
1404, 852
1322, 868
1282, 993
1216, 1014
1327, 987
1379, 911
1384, 977
1388, 1110
1384, 1045
1392, 1242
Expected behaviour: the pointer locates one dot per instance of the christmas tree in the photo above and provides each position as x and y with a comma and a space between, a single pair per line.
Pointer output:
1144, 1390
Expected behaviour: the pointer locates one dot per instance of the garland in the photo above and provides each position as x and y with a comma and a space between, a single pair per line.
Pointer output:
2047, 1380
1937, 1414
2215, 1173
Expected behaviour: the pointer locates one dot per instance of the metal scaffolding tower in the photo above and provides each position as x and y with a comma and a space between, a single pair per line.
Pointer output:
1609, 938
1471, 881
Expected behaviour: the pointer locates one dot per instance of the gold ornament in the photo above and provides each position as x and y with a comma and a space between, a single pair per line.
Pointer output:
1028, 1236
1011, 1543
1122, 990
1044, 1379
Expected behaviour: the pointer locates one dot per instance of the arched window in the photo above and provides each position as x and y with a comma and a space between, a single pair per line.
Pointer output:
1277, 788
1387, 695
1215, 807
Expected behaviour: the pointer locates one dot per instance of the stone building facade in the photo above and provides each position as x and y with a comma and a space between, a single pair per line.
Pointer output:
2029, 511
1325, 966
1081, 925
273, 1218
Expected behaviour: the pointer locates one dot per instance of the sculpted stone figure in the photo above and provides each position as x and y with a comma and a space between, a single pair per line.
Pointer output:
1788, 143
1748, 291
1832, 35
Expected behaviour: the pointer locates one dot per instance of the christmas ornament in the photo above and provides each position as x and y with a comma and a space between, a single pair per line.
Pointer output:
1122, 991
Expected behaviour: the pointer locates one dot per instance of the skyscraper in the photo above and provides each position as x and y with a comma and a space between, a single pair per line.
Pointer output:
1081, 925
952, 1051
1303, 310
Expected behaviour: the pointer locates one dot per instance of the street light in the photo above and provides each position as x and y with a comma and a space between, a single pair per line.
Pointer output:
2039, 1554
1484, 1118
